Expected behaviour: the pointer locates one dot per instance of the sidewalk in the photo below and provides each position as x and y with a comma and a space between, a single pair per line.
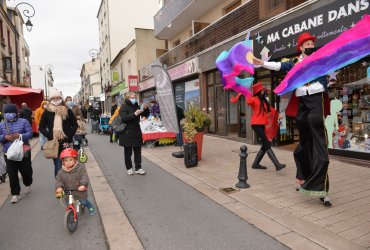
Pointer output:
272, 204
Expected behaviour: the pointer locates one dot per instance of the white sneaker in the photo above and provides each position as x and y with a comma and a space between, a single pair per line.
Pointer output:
140, 171
27, 190
130, 172
15, 199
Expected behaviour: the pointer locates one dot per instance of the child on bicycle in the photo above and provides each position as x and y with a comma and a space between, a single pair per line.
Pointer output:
73, 176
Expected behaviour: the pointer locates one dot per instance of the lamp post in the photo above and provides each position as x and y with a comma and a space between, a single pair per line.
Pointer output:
48, 68
94, 54
28, 12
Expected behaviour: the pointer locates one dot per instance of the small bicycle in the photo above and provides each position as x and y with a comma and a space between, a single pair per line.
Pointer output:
78, 145
73, 209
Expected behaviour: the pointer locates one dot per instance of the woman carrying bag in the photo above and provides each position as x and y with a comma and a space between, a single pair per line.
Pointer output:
260, 109
12, 129
58, 124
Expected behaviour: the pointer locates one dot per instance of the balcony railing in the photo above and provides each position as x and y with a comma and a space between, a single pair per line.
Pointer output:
168, 12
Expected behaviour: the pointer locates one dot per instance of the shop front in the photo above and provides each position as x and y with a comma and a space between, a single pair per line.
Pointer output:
326, 20
147, 90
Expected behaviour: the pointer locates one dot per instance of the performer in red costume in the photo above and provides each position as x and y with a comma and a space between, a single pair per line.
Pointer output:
311, 155
260, 109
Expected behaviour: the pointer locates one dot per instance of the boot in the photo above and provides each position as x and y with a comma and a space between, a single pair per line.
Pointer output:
274, 160
256, 163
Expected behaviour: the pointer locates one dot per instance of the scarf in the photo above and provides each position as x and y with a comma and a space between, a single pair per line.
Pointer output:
60, 115
69, 169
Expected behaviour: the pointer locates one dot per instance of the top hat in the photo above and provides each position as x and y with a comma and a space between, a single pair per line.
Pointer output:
304, 37
258, 87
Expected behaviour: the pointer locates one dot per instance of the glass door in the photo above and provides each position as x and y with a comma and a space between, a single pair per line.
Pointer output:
242, 117
211, 108
221, 117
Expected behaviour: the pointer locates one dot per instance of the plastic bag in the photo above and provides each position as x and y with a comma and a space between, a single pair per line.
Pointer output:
15, 151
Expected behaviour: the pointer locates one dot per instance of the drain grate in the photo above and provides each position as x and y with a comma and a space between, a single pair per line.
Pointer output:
228, 190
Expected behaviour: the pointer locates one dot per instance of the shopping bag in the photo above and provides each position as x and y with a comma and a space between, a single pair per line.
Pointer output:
51, 149
272, 126
15, 151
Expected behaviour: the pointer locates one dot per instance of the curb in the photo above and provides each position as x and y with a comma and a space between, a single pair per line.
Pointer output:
118, 230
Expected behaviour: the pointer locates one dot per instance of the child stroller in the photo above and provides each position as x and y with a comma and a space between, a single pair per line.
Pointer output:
103, 124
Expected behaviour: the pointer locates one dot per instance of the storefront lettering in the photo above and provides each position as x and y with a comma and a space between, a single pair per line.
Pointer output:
334, 15
325, 22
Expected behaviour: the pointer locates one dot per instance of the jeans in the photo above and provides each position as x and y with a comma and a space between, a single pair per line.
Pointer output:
179, 139
86, 203
57, 165
42, 139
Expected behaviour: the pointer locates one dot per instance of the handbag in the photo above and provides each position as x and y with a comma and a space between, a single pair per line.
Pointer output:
51, 149
15, 151
118, 125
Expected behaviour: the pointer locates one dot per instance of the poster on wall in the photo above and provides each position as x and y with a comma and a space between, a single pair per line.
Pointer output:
192, 94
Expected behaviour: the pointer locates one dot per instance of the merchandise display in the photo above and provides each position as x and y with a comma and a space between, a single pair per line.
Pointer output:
353, 89
152, 124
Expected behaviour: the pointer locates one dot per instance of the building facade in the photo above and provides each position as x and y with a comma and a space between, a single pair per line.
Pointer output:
90, 82
117, 21
274, 27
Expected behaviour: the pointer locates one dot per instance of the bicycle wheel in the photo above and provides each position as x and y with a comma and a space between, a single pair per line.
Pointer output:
69, 223
83, 158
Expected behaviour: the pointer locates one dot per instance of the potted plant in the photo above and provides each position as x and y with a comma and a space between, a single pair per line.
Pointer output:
195, 121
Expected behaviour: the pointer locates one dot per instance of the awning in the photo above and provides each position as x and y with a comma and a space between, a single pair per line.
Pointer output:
116, 89
10, 90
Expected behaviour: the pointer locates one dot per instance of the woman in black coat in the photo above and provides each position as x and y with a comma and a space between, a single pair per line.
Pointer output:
131, 137
58, 122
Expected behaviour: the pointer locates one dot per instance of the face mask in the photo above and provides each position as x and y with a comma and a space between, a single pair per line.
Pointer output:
10, 116
340, 121
133, 100
69, 104
56, 102
309, 51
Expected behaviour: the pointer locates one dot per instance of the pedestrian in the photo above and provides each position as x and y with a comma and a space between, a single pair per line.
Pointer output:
73, 106
111, 129
73, 176
58, 123
26, 113
180, 115
11, 129
38, 113
260, 109
311, 155
89, 113
131, 137
154, 108
113, 108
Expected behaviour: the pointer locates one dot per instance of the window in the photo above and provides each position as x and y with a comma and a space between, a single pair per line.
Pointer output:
9, 47
176, 43
232, 7
1, 31
272, 4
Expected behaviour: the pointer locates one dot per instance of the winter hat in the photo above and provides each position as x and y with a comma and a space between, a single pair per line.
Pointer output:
10, 108
55, 93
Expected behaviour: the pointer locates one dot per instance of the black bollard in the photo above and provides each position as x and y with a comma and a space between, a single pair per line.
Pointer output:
243, 176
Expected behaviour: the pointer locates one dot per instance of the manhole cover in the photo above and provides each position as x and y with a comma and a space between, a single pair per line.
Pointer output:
228, 190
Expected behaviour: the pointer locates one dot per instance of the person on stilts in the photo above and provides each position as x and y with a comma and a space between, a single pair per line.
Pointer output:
311, 156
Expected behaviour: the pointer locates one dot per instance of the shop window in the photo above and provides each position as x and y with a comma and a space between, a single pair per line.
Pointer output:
272, 4
232, 7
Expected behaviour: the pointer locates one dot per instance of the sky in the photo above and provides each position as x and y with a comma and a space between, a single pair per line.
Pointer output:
63, 33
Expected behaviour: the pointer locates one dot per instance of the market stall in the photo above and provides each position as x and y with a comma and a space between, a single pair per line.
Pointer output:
17, 95
153, 130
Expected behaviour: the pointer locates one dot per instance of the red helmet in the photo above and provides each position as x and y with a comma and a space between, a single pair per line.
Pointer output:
68, 152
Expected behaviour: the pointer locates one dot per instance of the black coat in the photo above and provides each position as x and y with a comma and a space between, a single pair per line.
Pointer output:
69, 126
131, 136
26, 113
114, 107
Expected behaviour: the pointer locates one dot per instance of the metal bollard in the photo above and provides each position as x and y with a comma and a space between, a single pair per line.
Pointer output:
243, 176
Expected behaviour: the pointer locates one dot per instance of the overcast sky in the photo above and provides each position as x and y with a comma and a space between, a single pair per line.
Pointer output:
63, 33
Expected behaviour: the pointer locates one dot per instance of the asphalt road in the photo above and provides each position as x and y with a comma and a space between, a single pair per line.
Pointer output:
36, 222
168, 214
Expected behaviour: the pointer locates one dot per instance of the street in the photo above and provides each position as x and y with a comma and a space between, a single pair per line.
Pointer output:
168, 214
36, 222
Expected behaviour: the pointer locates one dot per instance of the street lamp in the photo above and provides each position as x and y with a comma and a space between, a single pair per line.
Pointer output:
27, 13
93, 53
48, 68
